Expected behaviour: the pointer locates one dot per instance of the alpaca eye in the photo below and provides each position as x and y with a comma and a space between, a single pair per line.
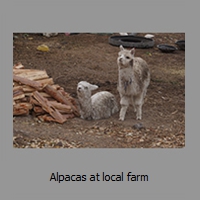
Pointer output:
127, 57
86, 88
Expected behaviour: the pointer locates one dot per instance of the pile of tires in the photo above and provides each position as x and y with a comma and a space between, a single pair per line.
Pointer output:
131, 41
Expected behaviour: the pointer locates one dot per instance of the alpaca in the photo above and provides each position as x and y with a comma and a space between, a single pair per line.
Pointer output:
133, 80
98, 106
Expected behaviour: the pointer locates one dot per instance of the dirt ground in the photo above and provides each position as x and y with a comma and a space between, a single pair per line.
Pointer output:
90, 57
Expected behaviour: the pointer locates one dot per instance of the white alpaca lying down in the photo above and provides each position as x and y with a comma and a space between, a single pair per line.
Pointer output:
98, 106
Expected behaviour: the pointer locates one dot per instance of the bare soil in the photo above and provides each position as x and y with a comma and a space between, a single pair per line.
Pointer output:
91, 58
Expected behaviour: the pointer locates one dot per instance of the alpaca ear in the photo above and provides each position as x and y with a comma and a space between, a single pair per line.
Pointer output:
132, 51
121, 48
93, 87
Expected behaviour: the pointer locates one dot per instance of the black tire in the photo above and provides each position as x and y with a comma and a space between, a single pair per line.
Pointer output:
131, 41
166, 48
181, 44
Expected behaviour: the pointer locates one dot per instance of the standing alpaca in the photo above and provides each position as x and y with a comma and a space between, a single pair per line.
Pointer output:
134, 78
98, 106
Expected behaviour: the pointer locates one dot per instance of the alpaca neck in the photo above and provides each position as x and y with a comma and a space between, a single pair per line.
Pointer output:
126, 74
127, 81
86, 108
85, 103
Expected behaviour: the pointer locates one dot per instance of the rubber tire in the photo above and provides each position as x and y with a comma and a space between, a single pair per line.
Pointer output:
166, 48
181, 44
131, 41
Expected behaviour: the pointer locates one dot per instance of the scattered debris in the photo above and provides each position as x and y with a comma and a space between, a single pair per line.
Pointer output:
43, 47
149, 36
50, 34
138, 126
20, 142
123, 33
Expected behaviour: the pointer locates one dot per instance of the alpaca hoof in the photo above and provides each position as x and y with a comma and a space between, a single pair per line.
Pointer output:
139, 118
121, 119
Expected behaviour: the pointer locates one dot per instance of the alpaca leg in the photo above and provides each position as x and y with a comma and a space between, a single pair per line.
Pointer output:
138, 106
123, 112
134, 107
124, 105
144, 94
139, 111
133, 103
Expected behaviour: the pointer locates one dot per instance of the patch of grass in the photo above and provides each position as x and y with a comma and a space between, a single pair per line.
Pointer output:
158, 80
174, 82
173, 71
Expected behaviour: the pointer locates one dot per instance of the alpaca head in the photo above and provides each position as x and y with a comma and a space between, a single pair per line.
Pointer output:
84, 89
125, 57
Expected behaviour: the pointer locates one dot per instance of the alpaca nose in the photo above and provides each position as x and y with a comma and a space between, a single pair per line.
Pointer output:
119, 59
78, 89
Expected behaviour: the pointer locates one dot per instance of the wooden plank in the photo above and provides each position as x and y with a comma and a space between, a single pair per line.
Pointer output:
46, 81
62, 108
29, 94
38, 110
22, 108
43, 82
48, 107
18, 87
48, 118
33, 101
32, 74
70, 98
18, 93
25, 99
34, 84
28, 89
60, 98
68, 116
18, 66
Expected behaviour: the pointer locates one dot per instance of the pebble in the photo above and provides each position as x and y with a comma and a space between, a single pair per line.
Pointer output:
101, 129
129, 134
90, 132
59, 144
33, 145
138, 126
129, 139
